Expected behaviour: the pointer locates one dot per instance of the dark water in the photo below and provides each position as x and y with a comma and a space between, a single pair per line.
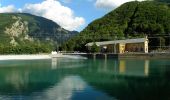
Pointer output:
66, 79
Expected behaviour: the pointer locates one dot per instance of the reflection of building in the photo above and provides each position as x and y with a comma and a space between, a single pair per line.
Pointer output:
140, 68
121, 46
124, 67
54, 62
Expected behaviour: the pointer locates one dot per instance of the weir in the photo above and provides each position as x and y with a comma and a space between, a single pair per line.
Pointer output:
117, 56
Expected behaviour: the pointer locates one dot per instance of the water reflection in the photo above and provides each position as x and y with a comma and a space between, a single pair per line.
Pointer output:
57, 79
63, 90
135, 79
17, 80
127, 67
63, 63
123, 67
54, 63
70, 87
66, 79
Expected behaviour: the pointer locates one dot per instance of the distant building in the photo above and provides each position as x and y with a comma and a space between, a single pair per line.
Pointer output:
122, 46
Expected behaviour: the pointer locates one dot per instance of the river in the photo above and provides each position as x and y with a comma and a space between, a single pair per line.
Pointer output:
85, 79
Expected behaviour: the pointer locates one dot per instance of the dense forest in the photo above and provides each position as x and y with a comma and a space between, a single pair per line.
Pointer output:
130, 20
27, 48
26, 33
166, 1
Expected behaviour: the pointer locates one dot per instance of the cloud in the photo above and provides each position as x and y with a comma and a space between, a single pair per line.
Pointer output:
110, 4
53, 10
8, 9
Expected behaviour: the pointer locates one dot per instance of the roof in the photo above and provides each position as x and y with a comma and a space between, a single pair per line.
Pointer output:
138, 40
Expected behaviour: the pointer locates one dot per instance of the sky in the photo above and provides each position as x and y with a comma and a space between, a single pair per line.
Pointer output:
69, 14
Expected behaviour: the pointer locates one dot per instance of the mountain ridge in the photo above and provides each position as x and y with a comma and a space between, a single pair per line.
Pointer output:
19, 29
130, 20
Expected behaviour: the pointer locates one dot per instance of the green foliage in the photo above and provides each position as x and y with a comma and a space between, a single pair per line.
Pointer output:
131, 20
167, 1
29, 48
95, 48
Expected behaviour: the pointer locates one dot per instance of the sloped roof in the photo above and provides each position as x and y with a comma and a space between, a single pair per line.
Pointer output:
138, 40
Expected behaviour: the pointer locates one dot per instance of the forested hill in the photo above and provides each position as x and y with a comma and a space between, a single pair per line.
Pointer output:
26, 33
130, 20
166, 1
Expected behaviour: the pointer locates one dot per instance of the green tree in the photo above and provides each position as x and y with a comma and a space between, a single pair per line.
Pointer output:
95, 48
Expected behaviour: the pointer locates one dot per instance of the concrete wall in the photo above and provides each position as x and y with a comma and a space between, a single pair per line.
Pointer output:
124, 56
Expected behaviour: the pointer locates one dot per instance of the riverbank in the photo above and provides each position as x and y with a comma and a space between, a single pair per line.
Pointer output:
24, 57
87, 55
122, 56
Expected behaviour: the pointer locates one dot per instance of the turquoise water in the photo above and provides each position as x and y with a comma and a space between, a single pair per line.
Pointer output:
73, 79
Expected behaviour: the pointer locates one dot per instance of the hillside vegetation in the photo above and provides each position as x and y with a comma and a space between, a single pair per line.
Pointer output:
130, 20
166, 1
26, 33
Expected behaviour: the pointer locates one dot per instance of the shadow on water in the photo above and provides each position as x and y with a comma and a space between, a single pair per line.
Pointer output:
68, 79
